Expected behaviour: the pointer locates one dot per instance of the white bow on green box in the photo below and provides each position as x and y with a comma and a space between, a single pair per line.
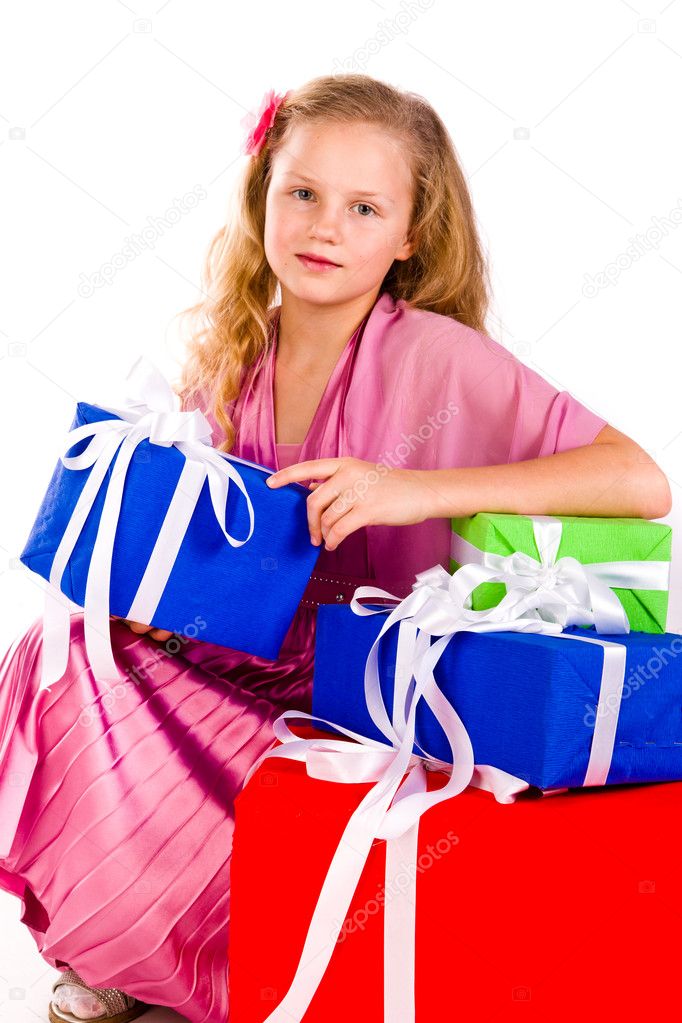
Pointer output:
577, 555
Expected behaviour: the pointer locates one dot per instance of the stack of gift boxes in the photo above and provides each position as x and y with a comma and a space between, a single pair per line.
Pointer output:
530, 700
538, 665
566, 904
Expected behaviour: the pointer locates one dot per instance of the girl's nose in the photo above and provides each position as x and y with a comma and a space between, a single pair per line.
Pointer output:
324, 232
326, 224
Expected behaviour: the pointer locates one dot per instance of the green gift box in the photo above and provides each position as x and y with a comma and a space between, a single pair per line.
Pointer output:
619, 548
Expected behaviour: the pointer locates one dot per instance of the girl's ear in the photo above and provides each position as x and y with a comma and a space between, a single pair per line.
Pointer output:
405, 250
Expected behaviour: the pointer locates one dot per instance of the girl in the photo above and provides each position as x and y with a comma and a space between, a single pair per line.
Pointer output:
373, 381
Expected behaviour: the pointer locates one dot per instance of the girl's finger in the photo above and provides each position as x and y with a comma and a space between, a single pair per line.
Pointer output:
139, 628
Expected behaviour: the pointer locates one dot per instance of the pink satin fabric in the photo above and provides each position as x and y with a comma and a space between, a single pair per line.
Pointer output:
117, 812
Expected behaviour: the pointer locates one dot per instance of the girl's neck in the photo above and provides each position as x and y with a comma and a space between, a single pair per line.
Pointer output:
310, 336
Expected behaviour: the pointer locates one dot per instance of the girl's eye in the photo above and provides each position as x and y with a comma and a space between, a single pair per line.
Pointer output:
366, 205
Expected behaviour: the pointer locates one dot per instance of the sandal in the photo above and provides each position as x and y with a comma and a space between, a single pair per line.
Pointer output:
119, 1007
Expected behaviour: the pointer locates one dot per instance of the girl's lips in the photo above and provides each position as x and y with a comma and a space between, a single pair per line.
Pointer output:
315, 264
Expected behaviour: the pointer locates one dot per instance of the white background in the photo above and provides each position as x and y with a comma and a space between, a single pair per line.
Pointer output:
563, 116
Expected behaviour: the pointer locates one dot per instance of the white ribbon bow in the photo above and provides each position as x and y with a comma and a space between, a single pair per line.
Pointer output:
148, 414
392, 808
564, 589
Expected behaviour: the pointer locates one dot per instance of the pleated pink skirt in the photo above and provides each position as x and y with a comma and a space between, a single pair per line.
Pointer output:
116, 809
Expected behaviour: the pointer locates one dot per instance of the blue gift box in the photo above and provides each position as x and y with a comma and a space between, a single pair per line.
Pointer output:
528, 701
246, 597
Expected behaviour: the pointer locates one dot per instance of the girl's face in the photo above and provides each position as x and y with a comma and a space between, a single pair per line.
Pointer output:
344, 193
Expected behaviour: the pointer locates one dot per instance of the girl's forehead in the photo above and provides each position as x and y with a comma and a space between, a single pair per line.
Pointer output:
324, 152
348, 135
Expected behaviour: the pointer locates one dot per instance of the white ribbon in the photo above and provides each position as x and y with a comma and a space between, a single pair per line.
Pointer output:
570, 592
392, 808
148, 414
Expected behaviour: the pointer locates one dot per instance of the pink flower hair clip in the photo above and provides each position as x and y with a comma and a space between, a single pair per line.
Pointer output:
257, 125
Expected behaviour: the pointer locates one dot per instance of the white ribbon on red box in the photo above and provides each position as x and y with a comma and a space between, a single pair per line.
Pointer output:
392, 808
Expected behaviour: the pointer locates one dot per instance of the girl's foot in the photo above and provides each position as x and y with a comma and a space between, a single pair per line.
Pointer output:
75, 1000
80, 1003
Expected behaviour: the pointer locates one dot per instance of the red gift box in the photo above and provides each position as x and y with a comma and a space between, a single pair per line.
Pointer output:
570, 904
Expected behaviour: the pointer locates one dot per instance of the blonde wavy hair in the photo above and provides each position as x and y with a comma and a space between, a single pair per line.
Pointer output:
447, 273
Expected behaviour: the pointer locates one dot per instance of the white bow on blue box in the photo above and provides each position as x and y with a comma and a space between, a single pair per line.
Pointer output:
129, 527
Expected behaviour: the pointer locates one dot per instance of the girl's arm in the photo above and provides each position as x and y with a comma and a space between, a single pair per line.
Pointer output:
613, 476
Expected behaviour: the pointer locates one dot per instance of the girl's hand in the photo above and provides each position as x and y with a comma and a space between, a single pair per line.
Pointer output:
140, 629
352, 493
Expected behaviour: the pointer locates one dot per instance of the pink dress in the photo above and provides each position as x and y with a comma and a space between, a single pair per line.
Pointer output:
116, 818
